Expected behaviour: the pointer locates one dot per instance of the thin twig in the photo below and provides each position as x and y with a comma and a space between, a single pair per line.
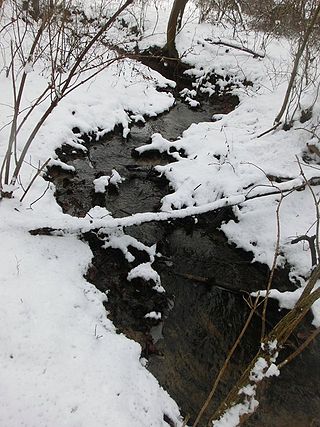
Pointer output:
316, 204
34, 178
300, 349
273, 268
186, 419
310, 240
269, 130
40, 197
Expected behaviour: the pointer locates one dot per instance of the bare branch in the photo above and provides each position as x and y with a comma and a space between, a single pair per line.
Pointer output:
311, 241
298, 56
300, 349
34, 178
235, 46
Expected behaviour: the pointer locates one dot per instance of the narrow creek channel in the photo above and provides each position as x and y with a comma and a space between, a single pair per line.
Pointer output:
203, 308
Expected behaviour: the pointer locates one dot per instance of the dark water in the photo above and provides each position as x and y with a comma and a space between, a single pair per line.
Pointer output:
206, 321
142, 189
206, 281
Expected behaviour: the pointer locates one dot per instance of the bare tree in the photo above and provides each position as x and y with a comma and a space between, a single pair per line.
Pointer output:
35, 8
174, 25
302, 46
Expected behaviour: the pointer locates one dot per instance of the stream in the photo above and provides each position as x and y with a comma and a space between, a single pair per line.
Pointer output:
206, 279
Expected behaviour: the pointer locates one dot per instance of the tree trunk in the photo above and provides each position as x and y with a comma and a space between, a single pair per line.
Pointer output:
35, 9
174, 24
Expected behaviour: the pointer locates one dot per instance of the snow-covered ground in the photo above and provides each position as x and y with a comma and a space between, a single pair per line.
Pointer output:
62, 362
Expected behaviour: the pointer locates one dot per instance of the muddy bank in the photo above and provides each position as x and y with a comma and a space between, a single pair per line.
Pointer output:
206, 280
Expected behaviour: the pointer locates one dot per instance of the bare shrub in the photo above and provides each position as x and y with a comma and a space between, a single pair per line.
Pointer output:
67, 48
282, 17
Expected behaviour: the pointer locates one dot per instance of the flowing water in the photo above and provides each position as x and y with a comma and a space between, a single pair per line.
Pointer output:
206, 279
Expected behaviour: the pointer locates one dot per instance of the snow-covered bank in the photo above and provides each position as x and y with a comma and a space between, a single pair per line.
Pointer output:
62, 362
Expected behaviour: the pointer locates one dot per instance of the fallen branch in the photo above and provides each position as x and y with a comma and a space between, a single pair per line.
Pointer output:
274, 127
234, 46
83, 225
47, 231
211, 281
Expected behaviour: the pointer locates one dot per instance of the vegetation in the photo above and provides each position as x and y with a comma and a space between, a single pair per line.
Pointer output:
70, 60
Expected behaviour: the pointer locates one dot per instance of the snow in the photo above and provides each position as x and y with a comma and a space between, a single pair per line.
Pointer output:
98, 212
101, 184
193, 103
61, 357
9, 188
153, 315
146, 272
258, 371
62, 362
232, 416
248, 390
270, 346
60, 164
28, 68
115, 178
137, 118
272, 371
